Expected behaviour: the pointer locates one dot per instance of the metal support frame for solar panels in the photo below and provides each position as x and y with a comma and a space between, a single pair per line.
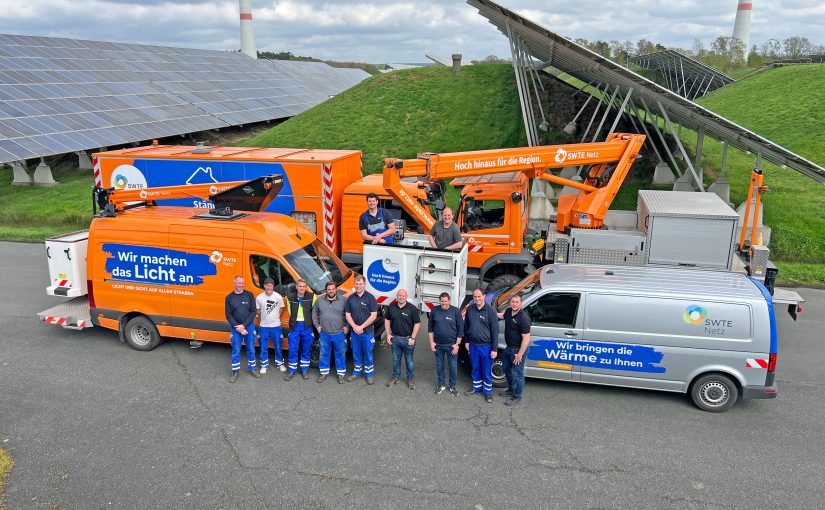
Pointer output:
678, 139
523, 85
662, 139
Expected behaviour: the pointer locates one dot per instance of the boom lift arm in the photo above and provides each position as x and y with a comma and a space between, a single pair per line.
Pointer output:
584, 210
253, 195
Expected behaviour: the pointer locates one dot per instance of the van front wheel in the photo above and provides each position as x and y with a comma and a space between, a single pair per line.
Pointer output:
714, 393
141, 334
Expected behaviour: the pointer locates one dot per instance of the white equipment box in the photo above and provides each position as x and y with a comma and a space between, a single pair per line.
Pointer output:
67, 264
423, 272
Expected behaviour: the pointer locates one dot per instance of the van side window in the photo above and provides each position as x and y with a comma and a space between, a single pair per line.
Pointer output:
266, 267
554, 310
484, 214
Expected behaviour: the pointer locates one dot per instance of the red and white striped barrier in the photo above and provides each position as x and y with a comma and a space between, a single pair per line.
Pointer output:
98, 176
329, 214
756, 363
61, 321
474, 248
63, 283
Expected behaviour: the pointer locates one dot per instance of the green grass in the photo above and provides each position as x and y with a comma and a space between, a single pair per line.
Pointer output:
35, 213
6, 463
405, 112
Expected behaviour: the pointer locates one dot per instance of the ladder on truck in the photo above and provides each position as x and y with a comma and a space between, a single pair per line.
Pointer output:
437, 272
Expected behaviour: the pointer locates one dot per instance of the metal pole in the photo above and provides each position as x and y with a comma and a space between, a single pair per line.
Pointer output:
647, 133
681, 147
606, 111
595, 112
585, 104
620, 112
519, 85
724, 157
662, 138
700, 139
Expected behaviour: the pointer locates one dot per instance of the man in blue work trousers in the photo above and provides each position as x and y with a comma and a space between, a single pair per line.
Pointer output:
517, 326
375, 224
269, 304
328, 316
481, 339
299, 305
240, 313
361, 311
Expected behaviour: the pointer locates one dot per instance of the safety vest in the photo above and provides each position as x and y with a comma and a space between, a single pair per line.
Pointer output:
299, 309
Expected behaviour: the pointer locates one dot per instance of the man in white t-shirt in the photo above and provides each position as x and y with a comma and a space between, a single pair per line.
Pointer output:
270, 304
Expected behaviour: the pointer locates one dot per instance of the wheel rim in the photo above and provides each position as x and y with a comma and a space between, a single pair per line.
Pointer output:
140, 335
498, 371
714, 394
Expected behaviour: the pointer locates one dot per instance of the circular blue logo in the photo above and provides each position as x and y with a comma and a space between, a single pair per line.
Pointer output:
383, 275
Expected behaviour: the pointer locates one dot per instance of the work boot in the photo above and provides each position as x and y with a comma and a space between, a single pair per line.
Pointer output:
370, 380
350, 378
488, 398
304, 375
512, 401
255, 374
282, 368
289, 376
392, 382
340, 379
234, 376
471, 391
263, 370
322, 378
507, 393
411, 384
439, 389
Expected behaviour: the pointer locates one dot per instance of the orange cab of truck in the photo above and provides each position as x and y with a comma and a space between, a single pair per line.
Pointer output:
165, 271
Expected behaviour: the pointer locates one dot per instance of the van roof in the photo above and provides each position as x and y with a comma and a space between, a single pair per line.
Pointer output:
264, 226
229, 153
649, 280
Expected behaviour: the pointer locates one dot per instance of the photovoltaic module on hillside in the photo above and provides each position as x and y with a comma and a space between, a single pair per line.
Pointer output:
63, 95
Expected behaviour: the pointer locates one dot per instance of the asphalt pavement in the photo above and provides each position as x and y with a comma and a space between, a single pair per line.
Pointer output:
92, 423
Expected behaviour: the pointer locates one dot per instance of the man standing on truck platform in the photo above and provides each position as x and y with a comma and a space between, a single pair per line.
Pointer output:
445, 234
270, 304
402, 323
328, 316
517, 326
481, 339
376, 224
240, 313
299, 306
361, 312
446, 329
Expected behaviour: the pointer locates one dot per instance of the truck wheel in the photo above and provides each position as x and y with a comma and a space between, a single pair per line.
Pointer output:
503, 281
714, 393
499, 380
141, 334
314, 354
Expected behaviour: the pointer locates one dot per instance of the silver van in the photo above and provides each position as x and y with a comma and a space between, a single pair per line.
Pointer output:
710, 334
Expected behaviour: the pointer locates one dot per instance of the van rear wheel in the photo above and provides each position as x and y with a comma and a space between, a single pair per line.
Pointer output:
499, 379
141, 334
714, 393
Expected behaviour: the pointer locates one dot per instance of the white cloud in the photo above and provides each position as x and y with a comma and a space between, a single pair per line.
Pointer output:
398, 31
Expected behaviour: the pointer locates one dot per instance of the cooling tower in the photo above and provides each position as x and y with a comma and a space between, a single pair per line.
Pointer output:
742, 25
248, 38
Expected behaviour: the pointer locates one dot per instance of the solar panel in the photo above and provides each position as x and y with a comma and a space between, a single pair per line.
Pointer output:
61, 95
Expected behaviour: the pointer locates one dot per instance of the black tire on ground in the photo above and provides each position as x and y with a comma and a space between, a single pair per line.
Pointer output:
499, 381
504, 281
714, 393
314, 354
141, 334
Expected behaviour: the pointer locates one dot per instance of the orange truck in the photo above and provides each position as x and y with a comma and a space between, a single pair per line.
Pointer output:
152, 272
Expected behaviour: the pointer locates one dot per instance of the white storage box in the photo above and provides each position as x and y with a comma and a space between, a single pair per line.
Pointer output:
67, 264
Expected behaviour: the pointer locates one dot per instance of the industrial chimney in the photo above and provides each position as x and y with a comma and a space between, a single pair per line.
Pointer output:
247, 37
742, 25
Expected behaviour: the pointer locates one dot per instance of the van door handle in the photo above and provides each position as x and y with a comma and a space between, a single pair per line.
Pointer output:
501, 243
570, 333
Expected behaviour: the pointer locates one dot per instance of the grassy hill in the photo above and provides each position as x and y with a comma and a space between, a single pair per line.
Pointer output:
415, 110
786, 106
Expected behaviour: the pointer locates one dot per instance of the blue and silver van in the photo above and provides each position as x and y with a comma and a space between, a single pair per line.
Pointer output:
709, 334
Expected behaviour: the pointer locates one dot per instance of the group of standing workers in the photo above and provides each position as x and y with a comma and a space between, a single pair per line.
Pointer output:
333, 315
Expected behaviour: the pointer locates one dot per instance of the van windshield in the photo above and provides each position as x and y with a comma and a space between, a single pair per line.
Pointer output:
524, 287
316, 264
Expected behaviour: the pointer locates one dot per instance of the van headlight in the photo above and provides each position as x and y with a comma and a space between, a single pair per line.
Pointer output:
306, 219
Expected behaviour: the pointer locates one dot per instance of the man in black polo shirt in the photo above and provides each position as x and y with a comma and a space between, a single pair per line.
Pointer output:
517, 336
402, 323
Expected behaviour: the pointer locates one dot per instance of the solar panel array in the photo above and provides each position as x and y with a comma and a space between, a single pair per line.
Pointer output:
63, 95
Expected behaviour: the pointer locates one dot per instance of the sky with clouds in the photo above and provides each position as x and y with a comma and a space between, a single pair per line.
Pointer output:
393, 31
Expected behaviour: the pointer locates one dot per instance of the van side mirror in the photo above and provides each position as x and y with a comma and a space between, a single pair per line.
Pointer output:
516, 197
